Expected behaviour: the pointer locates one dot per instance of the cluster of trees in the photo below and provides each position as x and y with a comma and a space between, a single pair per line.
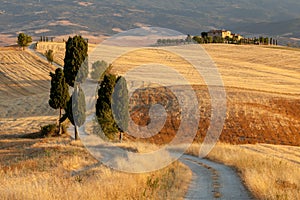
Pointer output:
112, 103
75, 57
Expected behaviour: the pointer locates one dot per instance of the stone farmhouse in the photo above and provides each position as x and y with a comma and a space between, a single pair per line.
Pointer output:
224, 34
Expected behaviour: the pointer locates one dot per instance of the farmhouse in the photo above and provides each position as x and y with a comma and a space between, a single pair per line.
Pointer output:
224, 34
219, 33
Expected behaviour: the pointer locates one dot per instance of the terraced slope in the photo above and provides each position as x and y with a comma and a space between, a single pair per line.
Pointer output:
24, 91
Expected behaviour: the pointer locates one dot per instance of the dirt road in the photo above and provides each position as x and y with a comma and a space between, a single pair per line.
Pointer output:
214, 181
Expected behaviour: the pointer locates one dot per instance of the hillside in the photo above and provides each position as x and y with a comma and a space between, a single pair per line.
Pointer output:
97, 18
33, 167
261, 85
263, 106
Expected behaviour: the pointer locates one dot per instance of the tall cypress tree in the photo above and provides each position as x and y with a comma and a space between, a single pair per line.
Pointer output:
112, 108
76, 57
103, 106
75, 110
59, 92
120, 104
76, 71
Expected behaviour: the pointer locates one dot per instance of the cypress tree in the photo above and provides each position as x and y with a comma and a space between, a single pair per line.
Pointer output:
75, 110
76, 72
120, 104
103, 106
75, 57
59, 92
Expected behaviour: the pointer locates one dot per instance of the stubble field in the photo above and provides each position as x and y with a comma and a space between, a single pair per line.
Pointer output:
263, 106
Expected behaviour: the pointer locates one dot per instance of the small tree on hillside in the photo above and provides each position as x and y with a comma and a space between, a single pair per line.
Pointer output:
49, 55
59, 92
24, 40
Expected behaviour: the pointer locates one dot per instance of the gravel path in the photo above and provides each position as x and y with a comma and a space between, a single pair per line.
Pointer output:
214, 181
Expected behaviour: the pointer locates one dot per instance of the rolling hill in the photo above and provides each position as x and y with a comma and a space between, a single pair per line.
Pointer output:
263, 106
95, 18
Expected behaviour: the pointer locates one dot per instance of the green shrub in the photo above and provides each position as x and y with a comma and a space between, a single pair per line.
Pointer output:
49, 130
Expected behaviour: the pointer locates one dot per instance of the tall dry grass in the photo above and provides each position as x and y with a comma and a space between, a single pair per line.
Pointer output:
267, 175
53, 172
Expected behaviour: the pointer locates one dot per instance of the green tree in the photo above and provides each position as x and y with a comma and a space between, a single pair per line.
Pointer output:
198, 39
209, 39
24, 40
59, 93
120, 104
98, 69
49, 55
75, 110
76, 72
266, 41
103, 106
76, 57
204, 34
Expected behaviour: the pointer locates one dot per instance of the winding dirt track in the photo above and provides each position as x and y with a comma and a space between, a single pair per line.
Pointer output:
213, 181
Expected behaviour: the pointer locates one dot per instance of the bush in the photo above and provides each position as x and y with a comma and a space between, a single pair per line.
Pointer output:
52, 130
49, 130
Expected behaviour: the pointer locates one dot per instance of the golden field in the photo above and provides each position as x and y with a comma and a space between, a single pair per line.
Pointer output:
263, 106
49, 168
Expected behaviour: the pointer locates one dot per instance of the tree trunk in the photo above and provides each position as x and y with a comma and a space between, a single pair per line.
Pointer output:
59, 123
76, 133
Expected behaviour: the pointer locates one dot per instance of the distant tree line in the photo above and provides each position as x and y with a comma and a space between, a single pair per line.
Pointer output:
170, 42
205, 39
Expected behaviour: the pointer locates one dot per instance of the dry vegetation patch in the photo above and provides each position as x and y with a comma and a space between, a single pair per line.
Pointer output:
57, 168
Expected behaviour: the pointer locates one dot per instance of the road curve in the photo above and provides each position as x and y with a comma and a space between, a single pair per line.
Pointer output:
213, 181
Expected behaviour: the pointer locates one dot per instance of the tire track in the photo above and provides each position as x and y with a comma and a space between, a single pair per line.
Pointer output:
214, 181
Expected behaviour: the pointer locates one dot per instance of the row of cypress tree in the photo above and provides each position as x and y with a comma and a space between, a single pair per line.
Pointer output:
112, 103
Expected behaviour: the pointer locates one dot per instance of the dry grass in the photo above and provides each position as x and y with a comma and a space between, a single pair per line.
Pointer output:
269, 171
48, 169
